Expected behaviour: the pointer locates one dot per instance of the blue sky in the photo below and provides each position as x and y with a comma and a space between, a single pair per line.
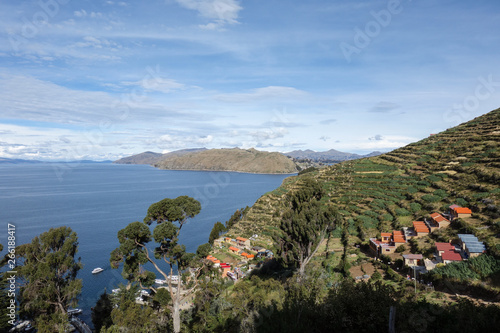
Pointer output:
106, 79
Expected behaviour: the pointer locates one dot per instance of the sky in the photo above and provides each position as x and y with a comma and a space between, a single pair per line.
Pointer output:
107, 79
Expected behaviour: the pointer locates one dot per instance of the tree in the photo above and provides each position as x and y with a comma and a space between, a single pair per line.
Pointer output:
170, 215
304, 226
217, 230
203, 250
48, 272
101, 313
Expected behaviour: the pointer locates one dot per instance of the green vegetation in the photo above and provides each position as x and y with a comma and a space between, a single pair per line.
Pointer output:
49, 285
133, 252
479, 268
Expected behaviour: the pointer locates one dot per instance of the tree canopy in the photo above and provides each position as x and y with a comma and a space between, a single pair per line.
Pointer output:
48, 271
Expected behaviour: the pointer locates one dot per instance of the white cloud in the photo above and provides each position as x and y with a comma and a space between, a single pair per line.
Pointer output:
270, 92
221, 11
80, 13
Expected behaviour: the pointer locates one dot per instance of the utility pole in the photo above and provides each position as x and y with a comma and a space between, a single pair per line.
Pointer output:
415, 277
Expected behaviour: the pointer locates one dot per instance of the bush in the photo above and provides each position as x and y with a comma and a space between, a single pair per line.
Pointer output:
401, 248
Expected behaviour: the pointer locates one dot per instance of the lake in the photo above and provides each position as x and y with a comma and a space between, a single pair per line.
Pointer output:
97, 200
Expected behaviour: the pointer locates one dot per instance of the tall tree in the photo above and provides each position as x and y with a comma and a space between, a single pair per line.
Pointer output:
48, 271
217, 230
304, 225
170, 215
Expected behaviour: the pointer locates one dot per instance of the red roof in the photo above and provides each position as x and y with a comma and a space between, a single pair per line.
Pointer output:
399, 239
462, 210
241, 239
232, 248
385, 234
445, 247
438, 218
452, 256
398, 232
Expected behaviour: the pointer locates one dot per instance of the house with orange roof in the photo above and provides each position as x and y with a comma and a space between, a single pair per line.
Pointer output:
420, 228
243, 242
378, 247
460, 212
398, 237
385, 237
234, 249
440, 220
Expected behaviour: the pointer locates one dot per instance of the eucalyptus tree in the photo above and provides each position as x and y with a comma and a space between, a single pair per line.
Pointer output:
168, 255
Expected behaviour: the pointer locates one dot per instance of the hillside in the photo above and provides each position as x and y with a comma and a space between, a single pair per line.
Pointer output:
250, 160
329, 156
151, 158
387, 192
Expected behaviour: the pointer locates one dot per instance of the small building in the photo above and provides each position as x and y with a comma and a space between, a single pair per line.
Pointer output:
420, 228
450, 256
225, 268
378, 247
234, 249
443, 247
460, 212
412, 259
398, 237
471, 246
243, 242
218, 242
258, 249
385, 237
440, 220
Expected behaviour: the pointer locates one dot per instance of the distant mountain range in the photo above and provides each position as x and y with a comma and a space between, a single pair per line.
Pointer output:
4, 160
330, 156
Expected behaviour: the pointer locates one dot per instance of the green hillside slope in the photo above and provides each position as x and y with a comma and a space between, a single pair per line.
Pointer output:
379, 194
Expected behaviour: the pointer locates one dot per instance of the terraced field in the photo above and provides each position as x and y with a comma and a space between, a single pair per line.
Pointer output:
379, 194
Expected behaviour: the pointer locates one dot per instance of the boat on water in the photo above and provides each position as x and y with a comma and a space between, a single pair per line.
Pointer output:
73, 312
115, 291
97, 270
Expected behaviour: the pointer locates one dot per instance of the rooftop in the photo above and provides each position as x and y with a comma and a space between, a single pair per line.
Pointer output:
413, 256
445, 247
452, 256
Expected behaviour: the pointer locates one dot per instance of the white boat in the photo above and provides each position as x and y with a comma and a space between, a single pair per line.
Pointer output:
159, 281
74, 311
115, 291
97, 270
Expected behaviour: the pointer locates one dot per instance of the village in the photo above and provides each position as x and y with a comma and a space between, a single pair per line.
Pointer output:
232, 256
463, 247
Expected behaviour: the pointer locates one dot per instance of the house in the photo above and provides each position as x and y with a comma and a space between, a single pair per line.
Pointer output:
258, 249
225, 268
398, 237
243, 242
450, 256
412, 259
444, 247
378, 247
471, 246
420, 228
440, 220
234, 249
218, 242
385, 237
460, 212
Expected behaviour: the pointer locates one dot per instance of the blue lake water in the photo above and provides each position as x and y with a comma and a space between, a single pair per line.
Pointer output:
97, 200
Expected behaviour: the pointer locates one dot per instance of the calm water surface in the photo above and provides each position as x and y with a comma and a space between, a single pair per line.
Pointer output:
97, 200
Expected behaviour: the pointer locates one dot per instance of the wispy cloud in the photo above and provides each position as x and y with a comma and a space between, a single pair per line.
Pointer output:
384, 107
222, 12
271, 92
